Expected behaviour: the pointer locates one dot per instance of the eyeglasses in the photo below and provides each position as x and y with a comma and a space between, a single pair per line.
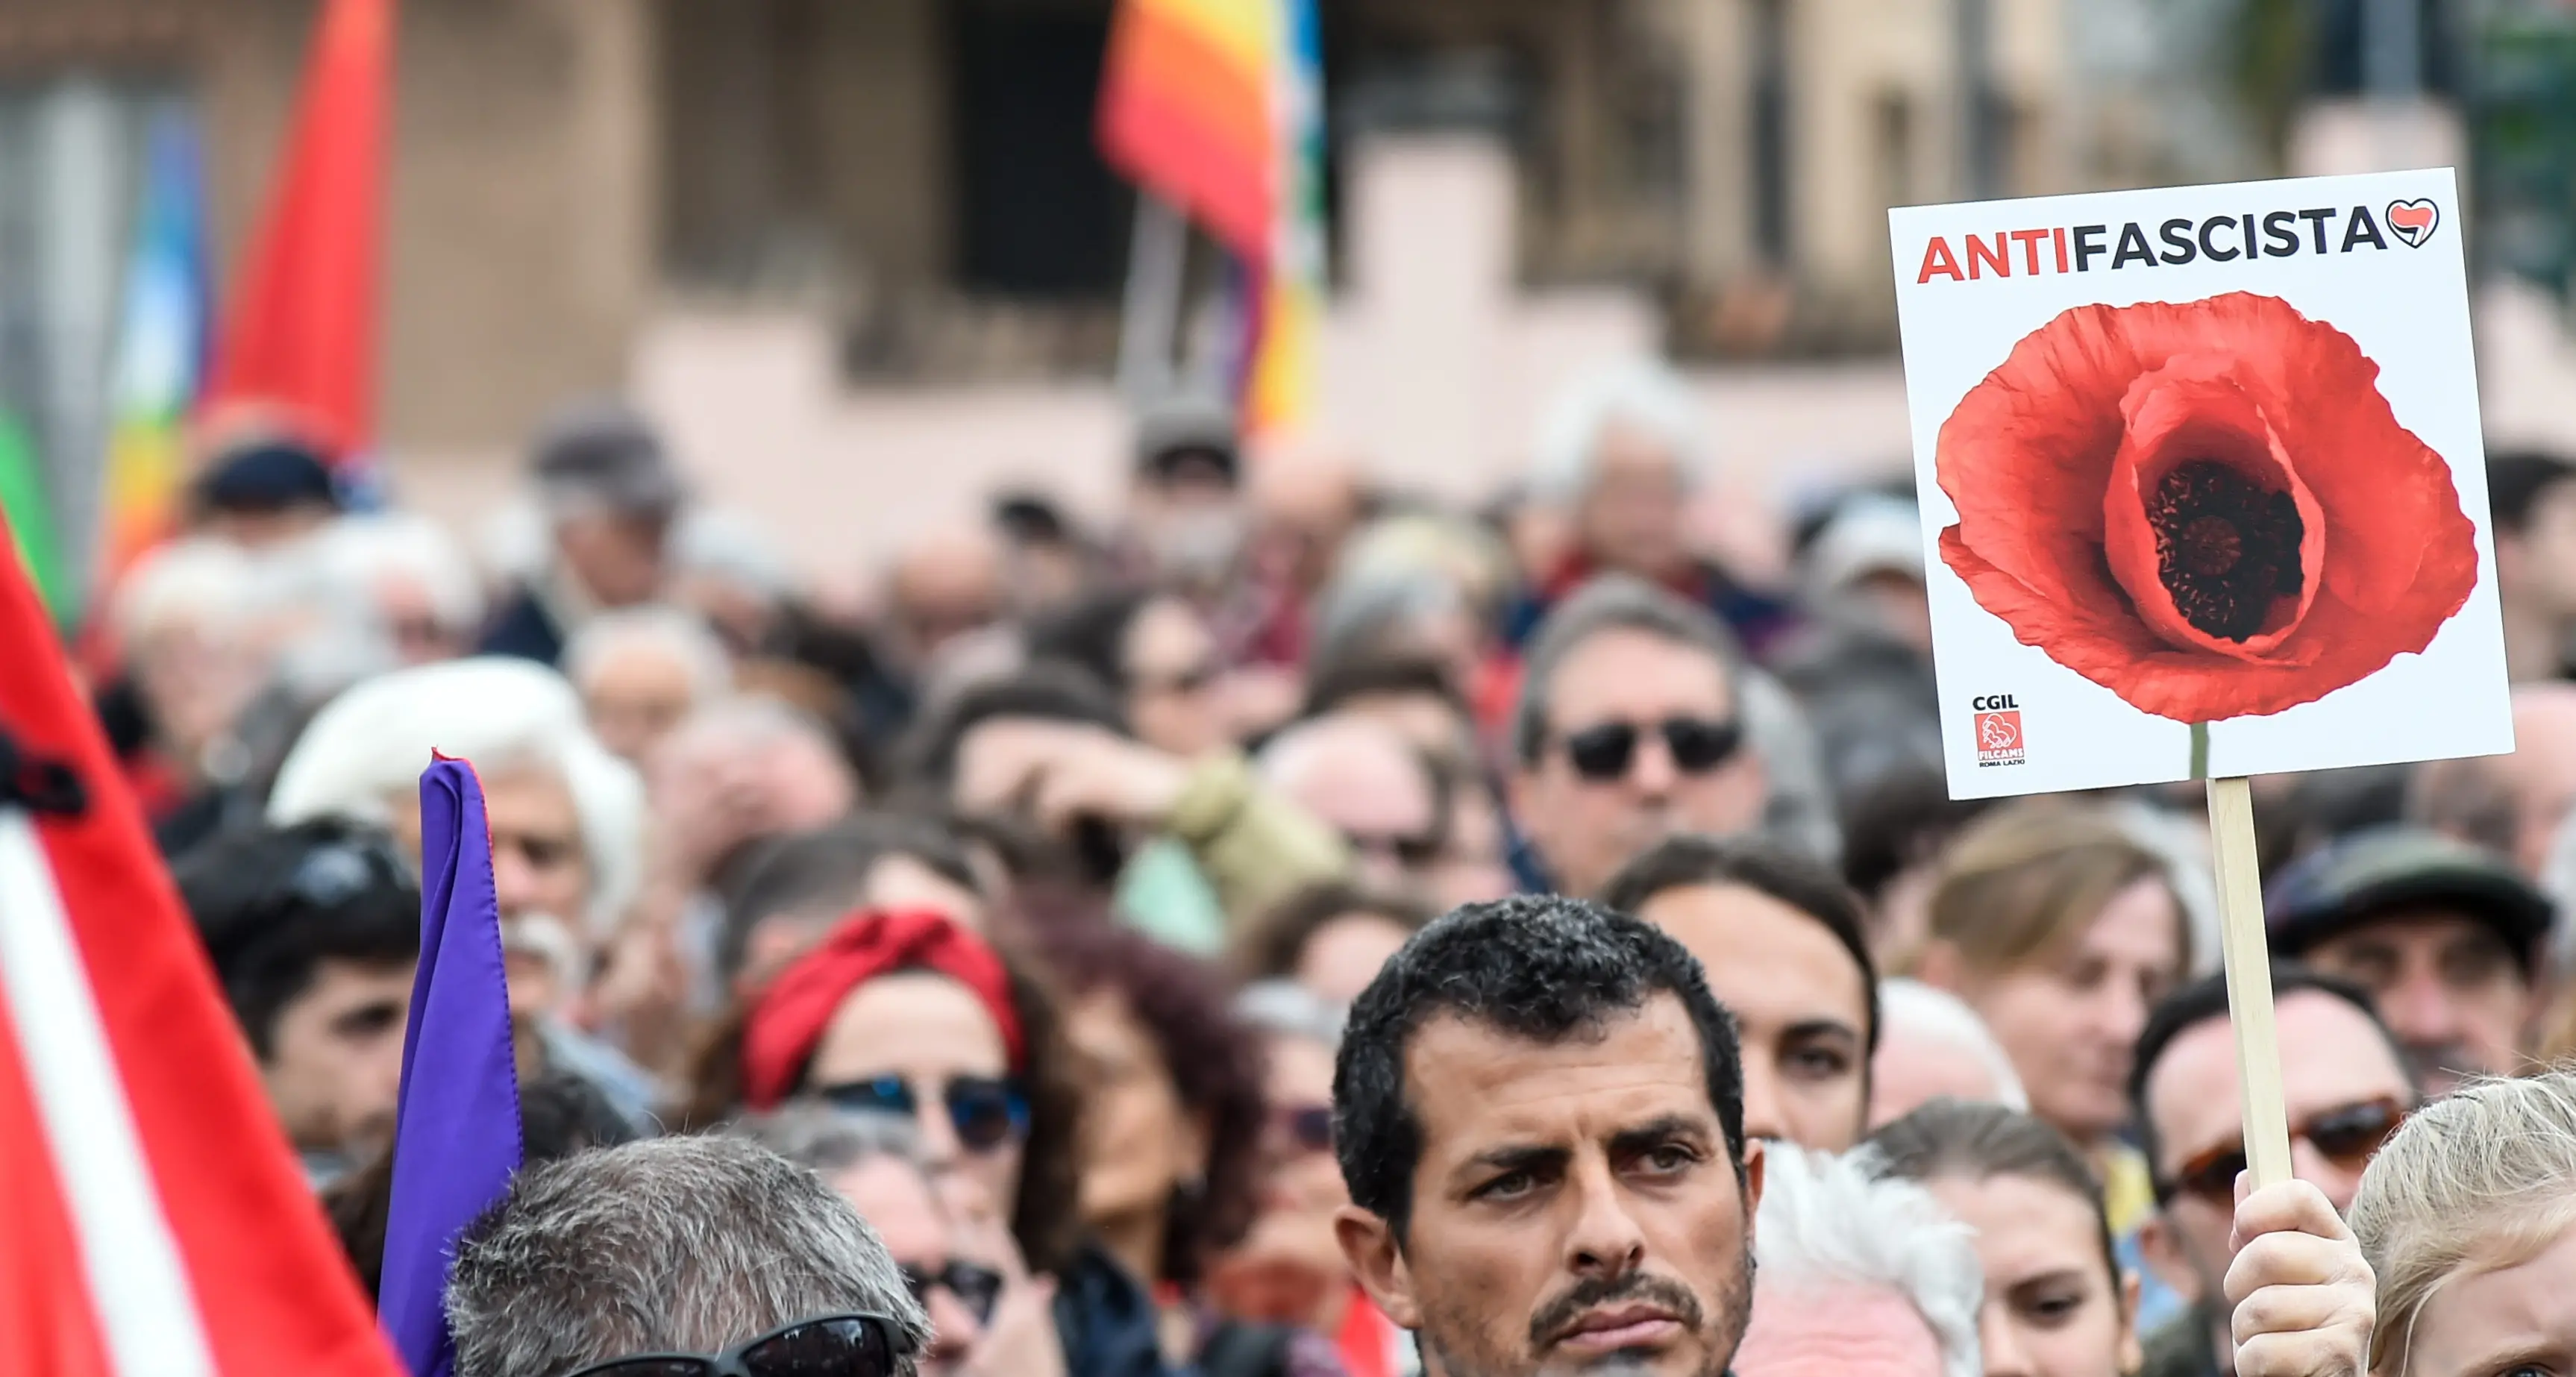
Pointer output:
1195, 679
831, 1346
2345, 1136
1409, 850
979, 1289
984, 1111
1307, 1126
1697, 745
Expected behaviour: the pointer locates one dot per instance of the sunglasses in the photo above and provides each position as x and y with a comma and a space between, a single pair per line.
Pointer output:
1697, 745
336, 872
979, 1289
984, 1111
1411, 850
1308, 1126
831, 1346
2345, 1136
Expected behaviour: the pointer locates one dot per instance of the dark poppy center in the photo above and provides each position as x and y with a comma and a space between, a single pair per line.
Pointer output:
2225, 547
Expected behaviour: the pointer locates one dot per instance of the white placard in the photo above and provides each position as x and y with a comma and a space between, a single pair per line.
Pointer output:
2202, 481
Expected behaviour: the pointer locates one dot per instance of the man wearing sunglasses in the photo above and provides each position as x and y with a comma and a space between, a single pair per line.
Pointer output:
2344, 1082
1630, 728
697, 1256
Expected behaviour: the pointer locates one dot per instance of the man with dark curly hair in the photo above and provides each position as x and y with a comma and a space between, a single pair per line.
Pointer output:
1538, 1108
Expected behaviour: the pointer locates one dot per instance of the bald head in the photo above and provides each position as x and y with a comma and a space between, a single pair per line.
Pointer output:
947, 581
1362, 778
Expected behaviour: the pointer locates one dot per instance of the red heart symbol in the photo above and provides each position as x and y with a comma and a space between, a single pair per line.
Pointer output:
2413, 220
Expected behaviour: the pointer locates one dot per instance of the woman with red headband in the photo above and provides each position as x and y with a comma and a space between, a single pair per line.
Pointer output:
907, 1013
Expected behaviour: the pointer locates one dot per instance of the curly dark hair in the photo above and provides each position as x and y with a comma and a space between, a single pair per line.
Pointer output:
1539, 966
1213, 1060
1272, 944
1045, 1217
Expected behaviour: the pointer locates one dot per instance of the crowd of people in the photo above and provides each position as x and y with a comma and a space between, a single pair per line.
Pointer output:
1303, 930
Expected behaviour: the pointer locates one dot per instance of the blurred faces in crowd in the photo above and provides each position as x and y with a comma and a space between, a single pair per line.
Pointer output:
1329, 939
1620, 451
947, 583
1186, 506
1174, 677
2056, 1303
740, 769
640, 671
611, 495
2345, 1090
2446, 938
1305, 501
1781, 941
1860, 1276
313, 931
1366, 782
2061, 932
183, 622
2534, 504
2513, 804
1629, 729
1932, 1046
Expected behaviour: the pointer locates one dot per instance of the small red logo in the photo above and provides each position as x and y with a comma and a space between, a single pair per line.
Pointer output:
1999, 738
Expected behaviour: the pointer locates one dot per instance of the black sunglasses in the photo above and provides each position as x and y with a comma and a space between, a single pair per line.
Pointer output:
984, 1111
2346, 1135
338, 871
979, 1289
831, 1346
1697, 745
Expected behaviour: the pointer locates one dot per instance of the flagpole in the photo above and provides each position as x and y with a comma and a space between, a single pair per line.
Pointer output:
1149, 319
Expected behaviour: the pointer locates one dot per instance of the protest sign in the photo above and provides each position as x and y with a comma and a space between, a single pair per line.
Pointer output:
2202, 482
2203, 496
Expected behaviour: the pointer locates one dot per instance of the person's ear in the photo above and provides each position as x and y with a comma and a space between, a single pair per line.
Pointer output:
1755, 1161
1377, 1262
2161, 1247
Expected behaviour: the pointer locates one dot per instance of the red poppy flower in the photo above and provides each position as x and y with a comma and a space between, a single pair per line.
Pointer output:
2206, 508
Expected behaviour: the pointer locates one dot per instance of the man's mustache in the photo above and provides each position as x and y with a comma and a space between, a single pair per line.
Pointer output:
1563, 1313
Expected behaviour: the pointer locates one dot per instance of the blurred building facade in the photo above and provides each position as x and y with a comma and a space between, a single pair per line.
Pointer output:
728, 204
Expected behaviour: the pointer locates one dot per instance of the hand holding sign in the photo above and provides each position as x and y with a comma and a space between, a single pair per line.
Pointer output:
2201, 469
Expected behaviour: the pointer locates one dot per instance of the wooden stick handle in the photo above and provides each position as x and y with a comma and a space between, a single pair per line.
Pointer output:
2249, 979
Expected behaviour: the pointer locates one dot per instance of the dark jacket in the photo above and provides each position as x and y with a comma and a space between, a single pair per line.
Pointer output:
1107, 1320
524, 629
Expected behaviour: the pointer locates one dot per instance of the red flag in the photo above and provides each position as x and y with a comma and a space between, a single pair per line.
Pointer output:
153, 1222
301, 336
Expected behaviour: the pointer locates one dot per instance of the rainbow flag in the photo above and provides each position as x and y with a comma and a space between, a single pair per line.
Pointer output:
1188, 110
27, 517
160, 350
1280, 393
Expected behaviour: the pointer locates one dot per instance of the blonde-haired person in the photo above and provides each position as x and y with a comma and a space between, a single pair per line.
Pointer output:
2468, 1219
2052, 922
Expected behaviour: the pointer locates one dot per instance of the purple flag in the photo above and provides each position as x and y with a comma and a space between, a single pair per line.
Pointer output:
456, 1138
